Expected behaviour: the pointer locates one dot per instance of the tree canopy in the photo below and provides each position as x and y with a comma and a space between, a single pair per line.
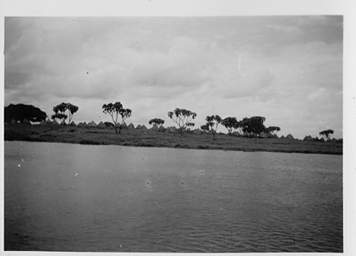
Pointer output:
22, 112
114, 110
182, 117
59, 116
64, 111
205, 127
273, 129
326, 133
190, 125
125, 113
213, 122
156, 121
230, 124
253, 125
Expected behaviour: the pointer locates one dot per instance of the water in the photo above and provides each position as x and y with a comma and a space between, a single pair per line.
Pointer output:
67, 197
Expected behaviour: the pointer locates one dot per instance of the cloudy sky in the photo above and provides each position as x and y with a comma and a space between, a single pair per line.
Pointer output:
288, 69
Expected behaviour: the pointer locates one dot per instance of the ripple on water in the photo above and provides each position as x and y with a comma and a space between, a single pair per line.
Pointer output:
158, 200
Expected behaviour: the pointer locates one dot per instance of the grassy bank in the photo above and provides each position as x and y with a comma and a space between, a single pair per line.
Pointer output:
149, 138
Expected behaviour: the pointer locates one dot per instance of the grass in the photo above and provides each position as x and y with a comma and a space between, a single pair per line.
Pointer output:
149, 138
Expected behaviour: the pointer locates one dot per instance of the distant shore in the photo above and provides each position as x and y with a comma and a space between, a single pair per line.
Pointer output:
151, 138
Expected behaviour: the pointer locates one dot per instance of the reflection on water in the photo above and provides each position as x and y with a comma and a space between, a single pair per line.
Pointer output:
66, 197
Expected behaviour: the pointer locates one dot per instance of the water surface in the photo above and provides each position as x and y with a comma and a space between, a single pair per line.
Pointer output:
68, 197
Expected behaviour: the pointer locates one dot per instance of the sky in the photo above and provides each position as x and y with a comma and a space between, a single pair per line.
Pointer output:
285, 68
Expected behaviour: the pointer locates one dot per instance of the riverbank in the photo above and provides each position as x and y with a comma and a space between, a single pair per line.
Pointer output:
150, 138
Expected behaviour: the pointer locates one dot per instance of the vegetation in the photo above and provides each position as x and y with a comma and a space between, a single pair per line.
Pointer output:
273, 129
23, 113
114, 110
230, 124
190, 125
183, 118
326, 133
253, 126
212, 122
152, 138
249, 127
109, 124
205, 128
59, 117
64, 111
156, 121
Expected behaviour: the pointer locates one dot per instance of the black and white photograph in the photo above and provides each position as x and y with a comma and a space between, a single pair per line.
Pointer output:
168, 134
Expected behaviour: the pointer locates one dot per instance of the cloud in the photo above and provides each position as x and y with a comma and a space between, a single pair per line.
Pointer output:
281, 67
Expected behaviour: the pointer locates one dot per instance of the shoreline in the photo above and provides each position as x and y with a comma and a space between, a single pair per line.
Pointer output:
182, 147
149, 138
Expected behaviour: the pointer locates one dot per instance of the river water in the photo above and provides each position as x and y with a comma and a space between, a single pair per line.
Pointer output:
67, 197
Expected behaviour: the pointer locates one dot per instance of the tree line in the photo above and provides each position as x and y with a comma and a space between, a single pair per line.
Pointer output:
183, 118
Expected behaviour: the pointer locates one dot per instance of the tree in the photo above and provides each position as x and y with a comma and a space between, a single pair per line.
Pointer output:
253, 126
63, 111
125, 113
273, 129
59, 116
114, 110
22, 113
190, 125
109, 124
326, 133
72, 109
213, 122
182, 117
230, 124
205, 127
156, 121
